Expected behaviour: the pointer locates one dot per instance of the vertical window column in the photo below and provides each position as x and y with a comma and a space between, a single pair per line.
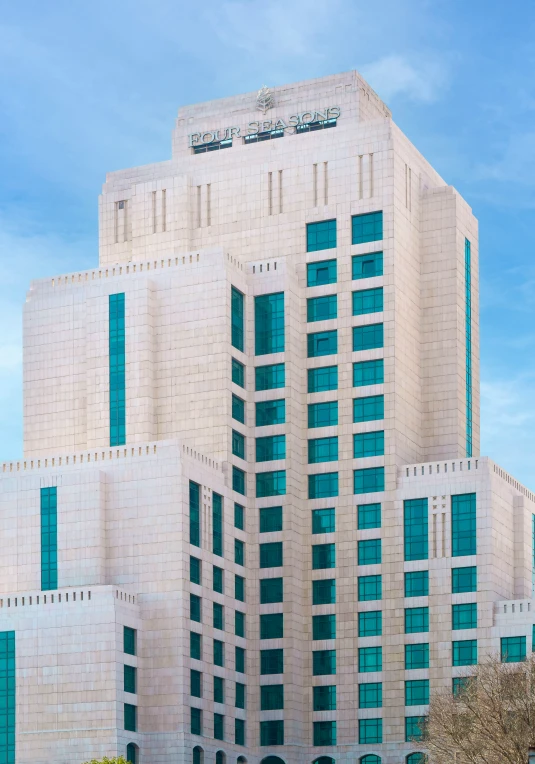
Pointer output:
217, 524
7, 696
468, 333
49, 538
269, 323
194, 513
117, 370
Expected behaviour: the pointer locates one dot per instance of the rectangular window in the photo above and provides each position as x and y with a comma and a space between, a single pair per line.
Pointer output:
322, 343
368, 337
238, 409
219, 689
238, 373
323, 662
195, 608
219, 727
204, 148
219, 616
239, 512
238, 481
239, 588
463, 525
417, 656
129, 640
415, 522
269, 377
217, 524
464, 652
323, 520
324, 733
270, 412
272, 733
415, 728
513, 649
370, 623
324, 591
417, 692
272, 626
322, 308
369, 552
323, 556
371, 695
195, 646
368, 516
239, 731
324, 698
194, 514
464, 579
239, 701
370, 659
321, 273
271, 697
370, 731
459, 684
194, 570
323, 485
324, 626
130, 717
368, 373
271, 555
271, 448
195, 683
271, 590
117, 369
8, 696
271, 662
323, 414
416, 620
269, 323
468, 342
271, 483
239, 659
322, 450
417, 583
196, 721
239, 552
464, 616
367, 266
321, 235
370, 480
368, 444
322, 379
219, 653
238, 444
367, 227
237, 310
270, 519
368, 301
239, 623
368, 409
49, 538
370, 588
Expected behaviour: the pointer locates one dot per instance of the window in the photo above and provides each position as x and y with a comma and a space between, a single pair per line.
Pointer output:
117, 369
270, 448
369, 552
311, 127
238, 444
129, 640
219, 727
194, 514
468, 342
239, 552
370, 731
368, 373
370, 659
49, 539
371, 695
415, 728
417, 583
370, 480
269, 377
324, 626
196, 721
416, 758
368, 444
368, 337
194, 570
239, 623
270, 519
238, 481
415, 521
322, 450
464, 616
370, 588
239, 701
219, 616
368, 516
417, 692
323, 378
239, 732
464, 652
239, 512
323, 414
271, 590
321, 273
238, 373
237, 310
271, 555
459, 684
322, 308
132, 754
323, 485
463, 525
272, 733
219, 653
370, 623
269, 323
195, 646
324, 591
204, 148
217, 524
271, 483
271, 662
513, 649
367, 266
321, 235
130, 717
323, 556
323, 520
371, 758
239, 588
464, 579
195, 608
367, 227
238, 409
369, 408
272, 626
239, 659
219, 689
267, 135
217, 579
324, 698
271, 697
270, 412
322, 343
130, 679
367, 301
416, 620
323, 662
324, 733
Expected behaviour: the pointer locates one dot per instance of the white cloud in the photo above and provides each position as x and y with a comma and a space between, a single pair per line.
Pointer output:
396, 75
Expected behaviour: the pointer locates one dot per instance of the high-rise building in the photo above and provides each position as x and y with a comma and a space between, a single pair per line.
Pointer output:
251, 522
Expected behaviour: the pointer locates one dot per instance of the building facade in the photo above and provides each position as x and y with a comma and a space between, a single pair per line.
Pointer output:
251, 522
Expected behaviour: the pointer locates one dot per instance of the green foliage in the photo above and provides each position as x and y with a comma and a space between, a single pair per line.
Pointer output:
105, 760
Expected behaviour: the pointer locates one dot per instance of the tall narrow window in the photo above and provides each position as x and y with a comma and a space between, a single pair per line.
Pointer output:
237, 301
415, 513
269, 323
194, 513
217, 524
463, 524
7, 695
468, 334
49, 538
117, 370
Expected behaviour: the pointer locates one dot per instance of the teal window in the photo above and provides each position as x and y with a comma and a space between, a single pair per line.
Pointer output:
513, 649
132, 754
468, 342
238, 444
323, 662
239, 659
322, 450
270, 519
270, 412
370, 623
195, 608
370, 659
117, 369
370, 480
323, 520
417, 692
269, 323
368, 373
238, 480
371, 758
371, 695
49, 539
367, 266
322, 343
464, 652
463, 525
129, 640
270, 448
195, 684
239, 588
218, 616
323, 378
219, 727
219, 689
368, 516
324, 698
271, 697
321, 235
324, 591
367, 227
239, 512
271, 590
322, 308
195, 646
194, 514
239, 623
369, 552
271, 555
323, 556
196, 721
269, 377
323, 414
238, 409
415, 522
272, 733
239, 731
271, 662
194, 570
271, 483
369, 408
219, 652
367, 301
272, 626
368, 444
464, 616
217, 524
319, 274
416, 620
239, 701
417, 583
239, 552
459, 684
323, 485
130, 717
324, 626
238, 373
464, 579
533, 639
370, 731
237, 312
415, 731
368, 337
324, 733
417, 656
370, 588
416, 758
7, 696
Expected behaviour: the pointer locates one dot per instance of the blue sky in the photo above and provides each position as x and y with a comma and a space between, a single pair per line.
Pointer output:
86, 88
